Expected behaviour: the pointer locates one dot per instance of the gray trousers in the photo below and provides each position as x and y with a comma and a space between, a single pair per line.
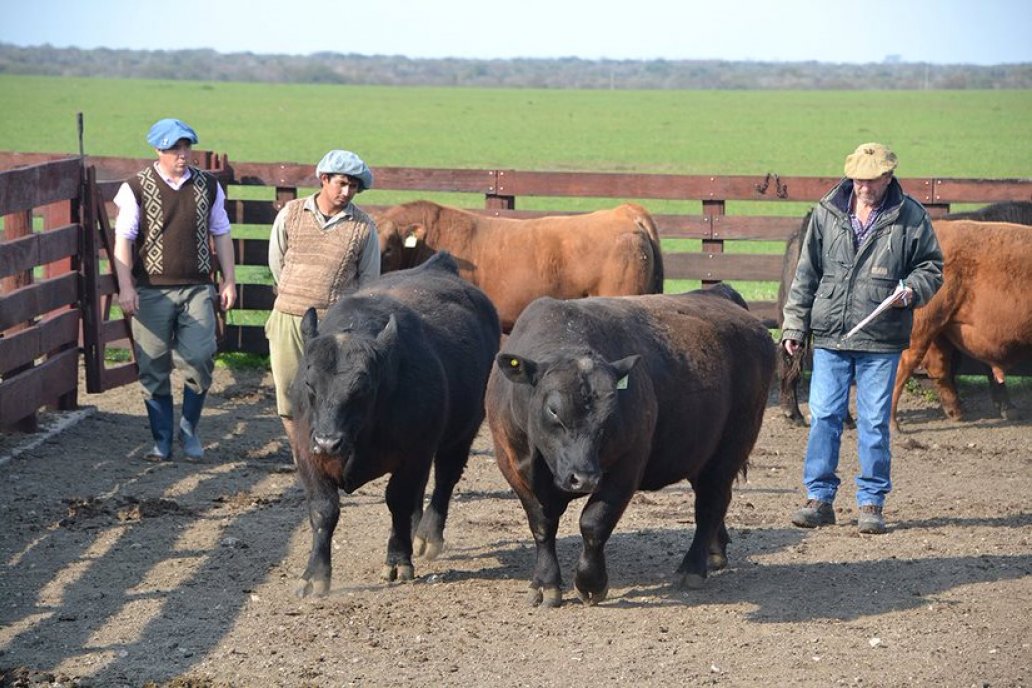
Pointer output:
175, 326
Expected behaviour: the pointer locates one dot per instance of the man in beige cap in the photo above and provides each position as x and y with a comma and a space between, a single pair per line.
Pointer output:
867, 242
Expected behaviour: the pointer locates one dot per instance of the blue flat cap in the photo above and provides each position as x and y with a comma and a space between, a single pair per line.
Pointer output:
166, 133
346, 162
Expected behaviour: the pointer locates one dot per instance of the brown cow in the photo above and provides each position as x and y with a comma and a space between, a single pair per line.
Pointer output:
983, 309
605, 253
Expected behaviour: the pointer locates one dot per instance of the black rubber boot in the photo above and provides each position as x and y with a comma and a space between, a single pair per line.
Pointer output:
159, 413
193, 404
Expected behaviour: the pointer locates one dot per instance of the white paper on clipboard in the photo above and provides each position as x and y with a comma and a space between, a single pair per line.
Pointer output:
887, 303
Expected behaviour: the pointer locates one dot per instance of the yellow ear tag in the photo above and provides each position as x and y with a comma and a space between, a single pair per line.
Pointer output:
622, 383
410, 241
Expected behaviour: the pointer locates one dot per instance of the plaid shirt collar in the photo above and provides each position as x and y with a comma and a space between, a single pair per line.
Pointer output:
861, 230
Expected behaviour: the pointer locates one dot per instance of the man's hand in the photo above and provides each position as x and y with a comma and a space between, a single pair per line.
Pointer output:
791, 346
128, 300
904, 298
227, 295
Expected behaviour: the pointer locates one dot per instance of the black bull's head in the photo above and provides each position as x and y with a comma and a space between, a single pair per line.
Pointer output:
339, 378
572, 400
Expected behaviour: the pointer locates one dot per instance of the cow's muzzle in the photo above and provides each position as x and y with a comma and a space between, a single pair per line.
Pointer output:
327, 443
579, 482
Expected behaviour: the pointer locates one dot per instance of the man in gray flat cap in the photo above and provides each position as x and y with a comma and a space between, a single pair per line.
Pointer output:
167, 213
322, 246
867, 243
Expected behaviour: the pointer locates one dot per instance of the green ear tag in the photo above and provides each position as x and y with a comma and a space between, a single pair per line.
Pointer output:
622, 383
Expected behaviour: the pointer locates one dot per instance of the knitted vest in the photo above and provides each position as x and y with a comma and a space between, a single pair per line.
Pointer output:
172, 242
319, 265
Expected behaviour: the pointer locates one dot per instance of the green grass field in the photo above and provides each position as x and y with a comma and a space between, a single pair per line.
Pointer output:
984, 134
943, 133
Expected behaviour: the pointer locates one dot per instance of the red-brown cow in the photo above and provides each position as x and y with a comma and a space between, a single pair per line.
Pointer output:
605, 253
984, 309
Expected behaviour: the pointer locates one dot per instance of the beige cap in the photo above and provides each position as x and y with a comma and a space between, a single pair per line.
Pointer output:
870, 161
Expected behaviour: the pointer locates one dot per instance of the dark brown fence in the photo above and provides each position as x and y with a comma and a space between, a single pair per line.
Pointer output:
40, 291
22, 191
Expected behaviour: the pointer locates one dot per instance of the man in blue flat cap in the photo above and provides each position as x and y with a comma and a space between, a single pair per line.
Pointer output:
166, 214
322, 246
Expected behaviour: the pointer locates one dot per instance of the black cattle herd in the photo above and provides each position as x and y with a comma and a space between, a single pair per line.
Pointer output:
596, 397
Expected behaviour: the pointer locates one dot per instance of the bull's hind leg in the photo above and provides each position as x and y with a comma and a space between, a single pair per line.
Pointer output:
940, 364
448, 467
998, 393
712, 496
717, 558
404, 491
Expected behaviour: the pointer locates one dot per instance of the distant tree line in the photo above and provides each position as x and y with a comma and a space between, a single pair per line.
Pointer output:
570, 72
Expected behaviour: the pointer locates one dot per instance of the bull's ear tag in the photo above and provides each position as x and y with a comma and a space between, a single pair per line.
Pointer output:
622, 382
410, 241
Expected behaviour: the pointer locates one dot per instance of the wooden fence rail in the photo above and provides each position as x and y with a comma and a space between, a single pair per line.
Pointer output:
39, 313
37, 317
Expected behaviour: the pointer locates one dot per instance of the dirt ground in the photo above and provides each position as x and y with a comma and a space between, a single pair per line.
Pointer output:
119, 572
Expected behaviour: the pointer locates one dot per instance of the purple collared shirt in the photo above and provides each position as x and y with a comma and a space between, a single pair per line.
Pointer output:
861, 230
127, 224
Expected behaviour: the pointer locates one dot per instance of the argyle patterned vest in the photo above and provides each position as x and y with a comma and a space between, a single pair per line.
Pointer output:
172, 243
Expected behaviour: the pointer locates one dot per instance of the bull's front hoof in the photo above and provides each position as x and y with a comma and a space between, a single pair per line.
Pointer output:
312, 588
544, 597
428, 549
689, 581
400, 573
1011, 413
592, 598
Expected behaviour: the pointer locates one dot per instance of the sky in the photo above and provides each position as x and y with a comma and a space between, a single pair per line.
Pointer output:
981, 32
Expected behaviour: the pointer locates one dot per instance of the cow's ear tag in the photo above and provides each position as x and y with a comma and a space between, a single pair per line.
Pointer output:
622, 383
410, 241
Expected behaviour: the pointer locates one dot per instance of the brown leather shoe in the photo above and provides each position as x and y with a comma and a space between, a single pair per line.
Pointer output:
871, 521
815, 513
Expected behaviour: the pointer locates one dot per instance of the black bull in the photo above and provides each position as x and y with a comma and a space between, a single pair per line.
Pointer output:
790, 368
392, 381
608, 395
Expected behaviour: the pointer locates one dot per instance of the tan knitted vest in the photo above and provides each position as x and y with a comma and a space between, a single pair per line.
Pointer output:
319, 265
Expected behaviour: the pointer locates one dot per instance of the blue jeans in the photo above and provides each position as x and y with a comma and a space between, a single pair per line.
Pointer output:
833, 373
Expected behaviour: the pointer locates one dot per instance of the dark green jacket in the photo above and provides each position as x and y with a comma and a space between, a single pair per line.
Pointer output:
836, 286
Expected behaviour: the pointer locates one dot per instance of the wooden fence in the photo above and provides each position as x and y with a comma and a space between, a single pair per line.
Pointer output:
77, 235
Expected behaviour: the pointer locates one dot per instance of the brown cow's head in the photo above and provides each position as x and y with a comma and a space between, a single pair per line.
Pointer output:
572, 401
402, 246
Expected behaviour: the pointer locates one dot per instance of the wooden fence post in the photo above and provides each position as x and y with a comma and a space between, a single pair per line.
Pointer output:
712, 209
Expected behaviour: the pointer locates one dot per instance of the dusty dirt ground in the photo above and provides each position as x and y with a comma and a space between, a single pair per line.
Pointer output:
120, 572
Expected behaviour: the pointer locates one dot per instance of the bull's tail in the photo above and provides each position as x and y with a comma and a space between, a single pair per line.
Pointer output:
644, 222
